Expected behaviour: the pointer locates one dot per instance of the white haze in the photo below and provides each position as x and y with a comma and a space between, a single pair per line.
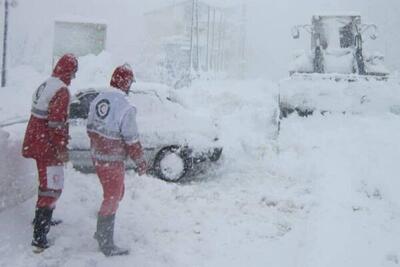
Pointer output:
322, 193
269, 43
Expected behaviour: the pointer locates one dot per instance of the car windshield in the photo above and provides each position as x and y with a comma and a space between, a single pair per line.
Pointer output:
79, 109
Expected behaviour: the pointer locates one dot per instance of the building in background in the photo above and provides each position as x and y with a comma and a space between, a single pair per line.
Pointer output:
192, 38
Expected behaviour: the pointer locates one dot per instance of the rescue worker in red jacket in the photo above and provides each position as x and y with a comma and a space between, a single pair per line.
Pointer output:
46, 140
113, 134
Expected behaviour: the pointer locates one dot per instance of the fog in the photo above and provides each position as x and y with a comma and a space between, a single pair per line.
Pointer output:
320, 191
269, 45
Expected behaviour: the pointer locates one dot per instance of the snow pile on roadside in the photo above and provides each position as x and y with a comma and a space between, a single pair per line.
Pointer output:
94, 71
16, 183
17, 175
356, 217
245, 114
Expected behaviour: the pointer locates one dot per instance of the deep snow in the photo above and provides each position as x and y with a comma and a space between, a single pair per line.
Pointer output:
322, 193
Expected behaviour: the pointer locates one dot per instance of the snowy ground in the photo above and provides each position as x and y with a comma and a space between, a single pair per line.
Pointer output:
324, 193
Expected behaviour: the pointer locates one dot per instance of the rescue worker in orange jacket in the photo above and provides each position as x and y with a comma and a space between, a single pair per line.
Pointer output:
46, 140
114, 136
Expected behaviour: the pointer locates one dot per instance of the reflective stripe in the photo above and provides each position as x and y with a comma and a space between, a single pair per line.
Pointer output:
57, 124
44, 94
131, 140
49, 193
103, 132
39, 113
103, 157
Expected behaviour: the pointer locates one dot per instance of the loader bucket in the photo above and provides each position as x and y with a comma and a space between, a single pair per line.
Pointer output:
336, 76
311, 94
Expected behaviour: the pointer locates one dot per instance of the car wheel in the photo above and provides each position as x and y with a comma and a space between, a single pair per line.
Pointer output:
171, 164
215, 154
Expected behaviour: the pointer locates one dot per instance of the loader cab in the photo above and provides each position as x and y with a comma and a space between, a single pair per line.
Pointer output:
334, 32
347, 36
337, 48
335, 55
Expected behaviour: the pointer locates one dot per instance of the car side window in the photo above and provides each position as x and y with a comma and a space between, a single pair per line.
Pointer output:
79, 109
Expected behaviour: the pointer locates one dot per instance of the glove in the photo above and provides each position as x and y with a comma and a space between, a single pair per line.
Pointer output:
63, 156
141, 167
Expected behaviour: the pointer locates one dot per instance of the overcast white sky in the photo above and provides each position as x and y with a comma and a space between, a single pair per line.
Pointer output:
269, 41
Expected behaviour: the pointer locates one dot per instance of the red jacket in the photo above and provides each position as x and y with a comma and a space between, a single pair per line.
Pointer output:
44, 142
46, 136
111, 122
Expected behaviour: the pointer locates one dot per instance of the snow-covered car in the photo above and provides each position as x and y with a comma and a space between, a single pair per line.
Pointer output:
177, 143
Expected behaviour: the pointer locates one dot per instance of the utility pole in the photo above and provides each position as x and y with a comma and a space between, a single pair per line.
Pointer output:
219, 46
212, 54
4, 56
197, 37
191, 41
243, 33
208, 39
7, 5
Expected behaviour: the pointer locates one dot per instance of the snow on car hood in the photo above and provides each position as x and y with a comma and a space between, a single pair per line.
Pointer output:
161, 121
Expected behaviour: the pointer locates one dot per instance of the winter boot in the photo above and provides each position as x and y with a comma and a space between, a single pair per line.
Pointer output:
41, 228
105, 236
53, 222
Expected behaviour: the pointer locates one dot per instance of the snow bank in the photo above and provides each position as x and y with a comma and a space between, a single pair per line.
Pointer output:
18, 180
17, 175
94, 71
355, 218
245, 113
